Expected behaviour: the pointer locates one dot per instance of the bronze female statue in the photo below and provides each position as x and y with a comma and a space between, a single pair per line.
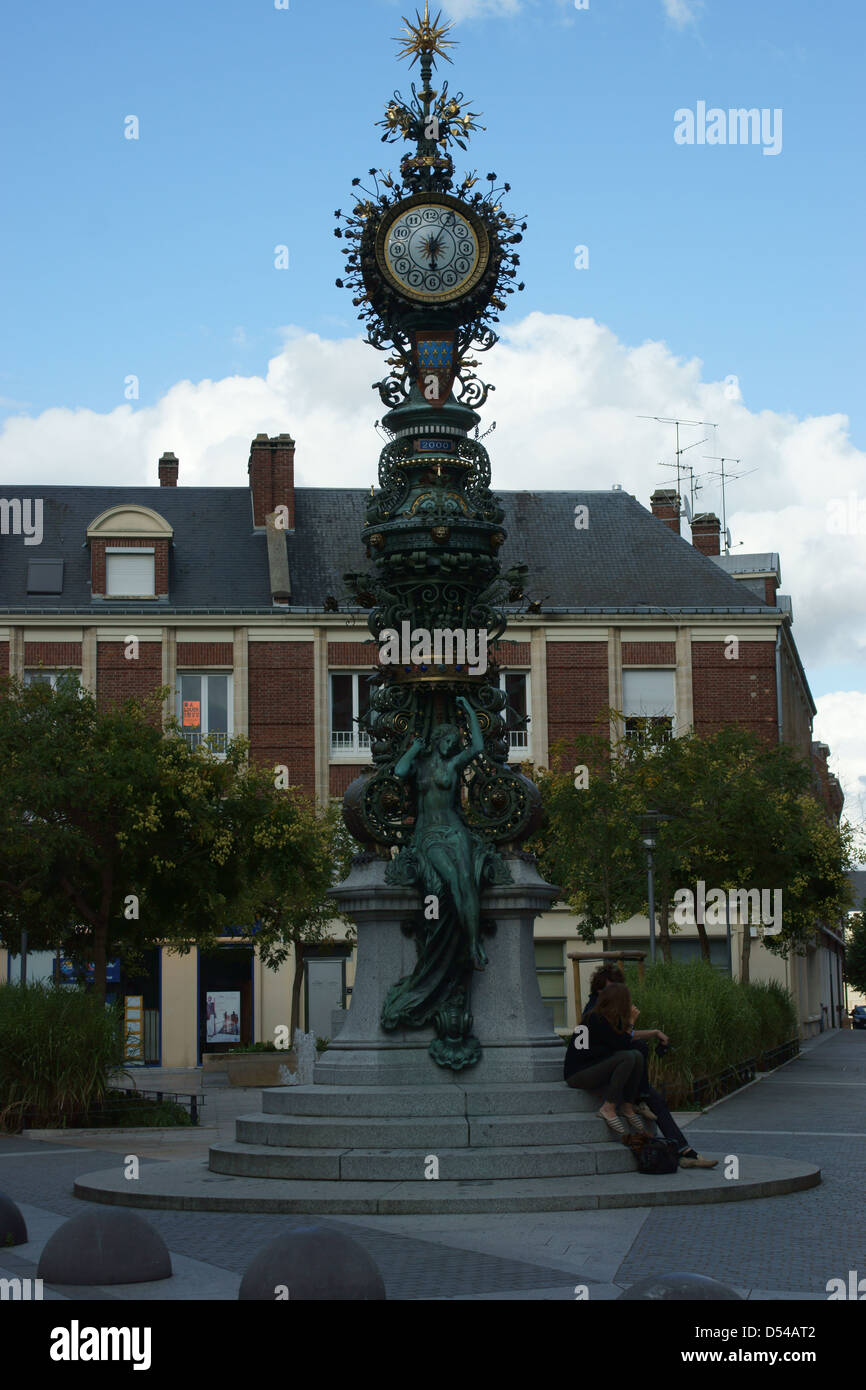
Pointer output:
451, 862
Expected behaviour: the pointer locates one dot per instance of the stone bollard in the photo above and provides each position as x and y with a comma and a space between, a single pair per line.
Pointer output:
312, 1264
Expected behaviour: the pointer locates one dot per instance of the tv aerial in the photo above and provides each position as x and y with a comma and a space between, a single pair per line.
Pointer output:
730, 477
681, 468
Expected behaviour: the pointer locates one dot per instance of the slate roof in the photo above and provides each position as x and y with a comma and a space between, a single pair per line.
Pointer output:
627, 560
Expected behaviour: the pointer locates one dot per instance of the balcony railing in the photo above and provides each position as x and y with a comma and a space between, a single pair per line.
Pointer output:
349, 740
216, 742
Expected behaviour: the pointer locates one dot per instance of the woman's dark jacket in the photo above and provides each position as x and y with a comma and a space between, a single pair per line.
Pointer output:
603, 1040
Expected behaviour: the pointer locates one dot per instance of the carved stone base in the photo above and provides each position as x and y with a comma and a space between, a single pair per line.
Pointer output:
510, 1019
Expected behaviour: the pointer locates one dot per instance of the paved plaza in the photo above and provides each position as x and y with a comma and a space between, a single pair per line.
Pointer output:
778, 1247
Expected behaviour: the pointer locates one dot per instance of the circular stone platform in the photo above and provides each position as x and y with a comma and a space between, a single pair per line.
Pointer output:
191, 1186
368, 1149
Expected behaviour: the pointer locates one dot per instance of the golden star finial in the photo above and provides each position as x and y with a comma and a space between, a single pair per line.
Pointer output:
425, 37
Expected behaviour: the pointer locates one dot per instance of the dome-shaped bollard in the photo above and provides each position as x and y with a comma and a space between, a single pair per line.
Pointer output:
13, 1228
102, 1246
680, 1287
312, 1263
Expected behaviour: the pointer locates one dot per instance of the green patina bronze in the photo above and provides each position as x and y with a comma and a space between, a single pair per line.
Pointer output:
431, 267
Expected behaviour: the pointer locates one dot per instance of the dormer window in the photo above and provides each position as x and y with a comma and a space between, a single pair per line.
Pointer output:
129, 573
129, 550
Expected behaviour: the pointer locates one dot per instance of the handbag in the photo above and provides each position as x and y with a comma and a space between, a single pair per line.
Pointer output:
653, 1155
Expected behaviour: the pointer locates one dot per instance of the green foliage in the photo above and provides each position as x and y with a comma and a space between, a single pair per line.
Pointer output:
736, 812
134, 1112
855, 953
58, 1047
713, 1022
114, 837
590, 841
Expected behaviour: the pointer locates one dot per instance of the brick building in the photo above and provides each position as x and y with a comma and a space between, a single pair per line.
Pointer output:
237, 600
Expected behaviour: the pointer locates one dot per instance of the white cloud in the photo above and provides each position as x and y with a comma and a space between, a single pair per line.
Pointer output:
841, 724
682, 12
566, 405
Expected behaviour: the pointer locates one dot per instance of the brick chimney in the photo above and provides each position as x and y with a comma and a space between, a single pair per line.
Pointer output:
665, 504
705, 533
272, 477
168, 470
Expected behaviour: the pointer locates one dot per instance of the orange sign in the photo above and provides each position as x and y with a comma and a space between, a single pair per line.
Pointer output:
191, 714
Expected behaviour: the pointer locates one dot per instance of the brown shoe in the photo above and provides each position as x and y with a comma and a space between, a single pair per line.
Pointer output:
698, 1162
643, 1109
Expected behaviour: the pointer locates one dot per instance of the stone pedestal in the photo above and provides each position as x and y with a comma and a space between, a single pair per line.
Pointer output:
510, 1018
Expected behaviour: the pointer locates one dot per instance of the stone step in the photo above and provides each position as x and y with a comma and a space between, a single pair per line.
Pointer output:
409, 1165
532, 1130
403, 1102
188, 1185
353, 1132
419, 1132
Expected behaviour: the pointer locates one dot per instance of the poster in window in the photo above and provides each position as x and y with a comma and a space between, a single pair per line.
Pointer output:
223, 1016
191, 714
133, 1012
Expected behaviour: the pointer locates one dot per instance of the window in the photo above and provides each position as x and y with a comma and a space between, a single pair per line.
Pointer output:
45, 576
129, 573
51, 678
550, 970
516, 712
648, 705
350, 700
203, 710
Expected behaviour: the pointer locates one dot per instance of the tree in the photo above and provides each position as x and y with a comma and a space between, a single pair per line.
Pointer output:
116, 837
297, 856
590, 842
735, 812
855, 954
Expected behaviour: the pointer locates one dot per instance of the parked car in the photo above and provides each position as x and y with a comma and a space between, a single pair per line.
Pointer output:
858, 1016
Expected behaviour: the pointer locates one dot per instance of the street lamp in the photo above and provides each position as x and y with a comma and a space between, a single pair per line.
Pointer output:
649, 827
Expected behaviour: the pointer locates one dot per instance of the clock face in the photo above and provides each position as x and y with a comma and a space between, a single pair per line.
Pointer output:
433, 251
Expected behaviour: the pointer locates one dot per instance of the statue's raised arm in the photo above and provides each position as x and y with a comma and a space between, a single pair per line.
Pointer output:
405, 766
476, 744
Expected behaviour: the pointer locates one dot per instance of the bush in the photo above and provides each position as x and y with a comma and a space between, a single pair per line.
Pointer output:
134, 1112
58, 1047
713, 1022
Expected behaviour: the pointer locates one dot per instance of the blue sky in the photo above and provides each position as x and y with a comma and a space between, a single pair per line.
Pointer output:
151, 256
154, 257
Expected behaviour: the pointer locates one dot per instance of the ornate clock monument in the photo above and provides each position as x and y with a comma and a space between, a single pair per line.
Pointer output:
447, 1050
431, 264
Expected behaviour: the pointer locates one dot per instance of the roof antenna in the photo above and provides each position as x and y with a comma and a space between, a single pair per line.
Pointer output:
718, 458
680, 450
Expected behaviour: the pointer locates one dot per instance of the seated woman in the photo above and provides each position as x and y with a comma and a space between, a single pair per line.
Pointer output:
651, 1104
609, 1061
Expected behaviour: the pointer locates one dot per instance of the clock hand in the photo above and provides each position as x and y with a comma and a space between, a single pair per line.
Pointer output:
432, 248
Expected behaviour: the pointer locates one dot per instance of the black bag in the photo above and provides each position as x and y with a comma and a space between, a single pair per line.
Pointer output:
654, 1155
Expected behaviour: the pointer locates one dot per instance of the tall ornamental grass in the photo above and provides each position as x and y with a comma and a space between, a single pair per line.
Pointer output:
713, 1022
58, 1047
